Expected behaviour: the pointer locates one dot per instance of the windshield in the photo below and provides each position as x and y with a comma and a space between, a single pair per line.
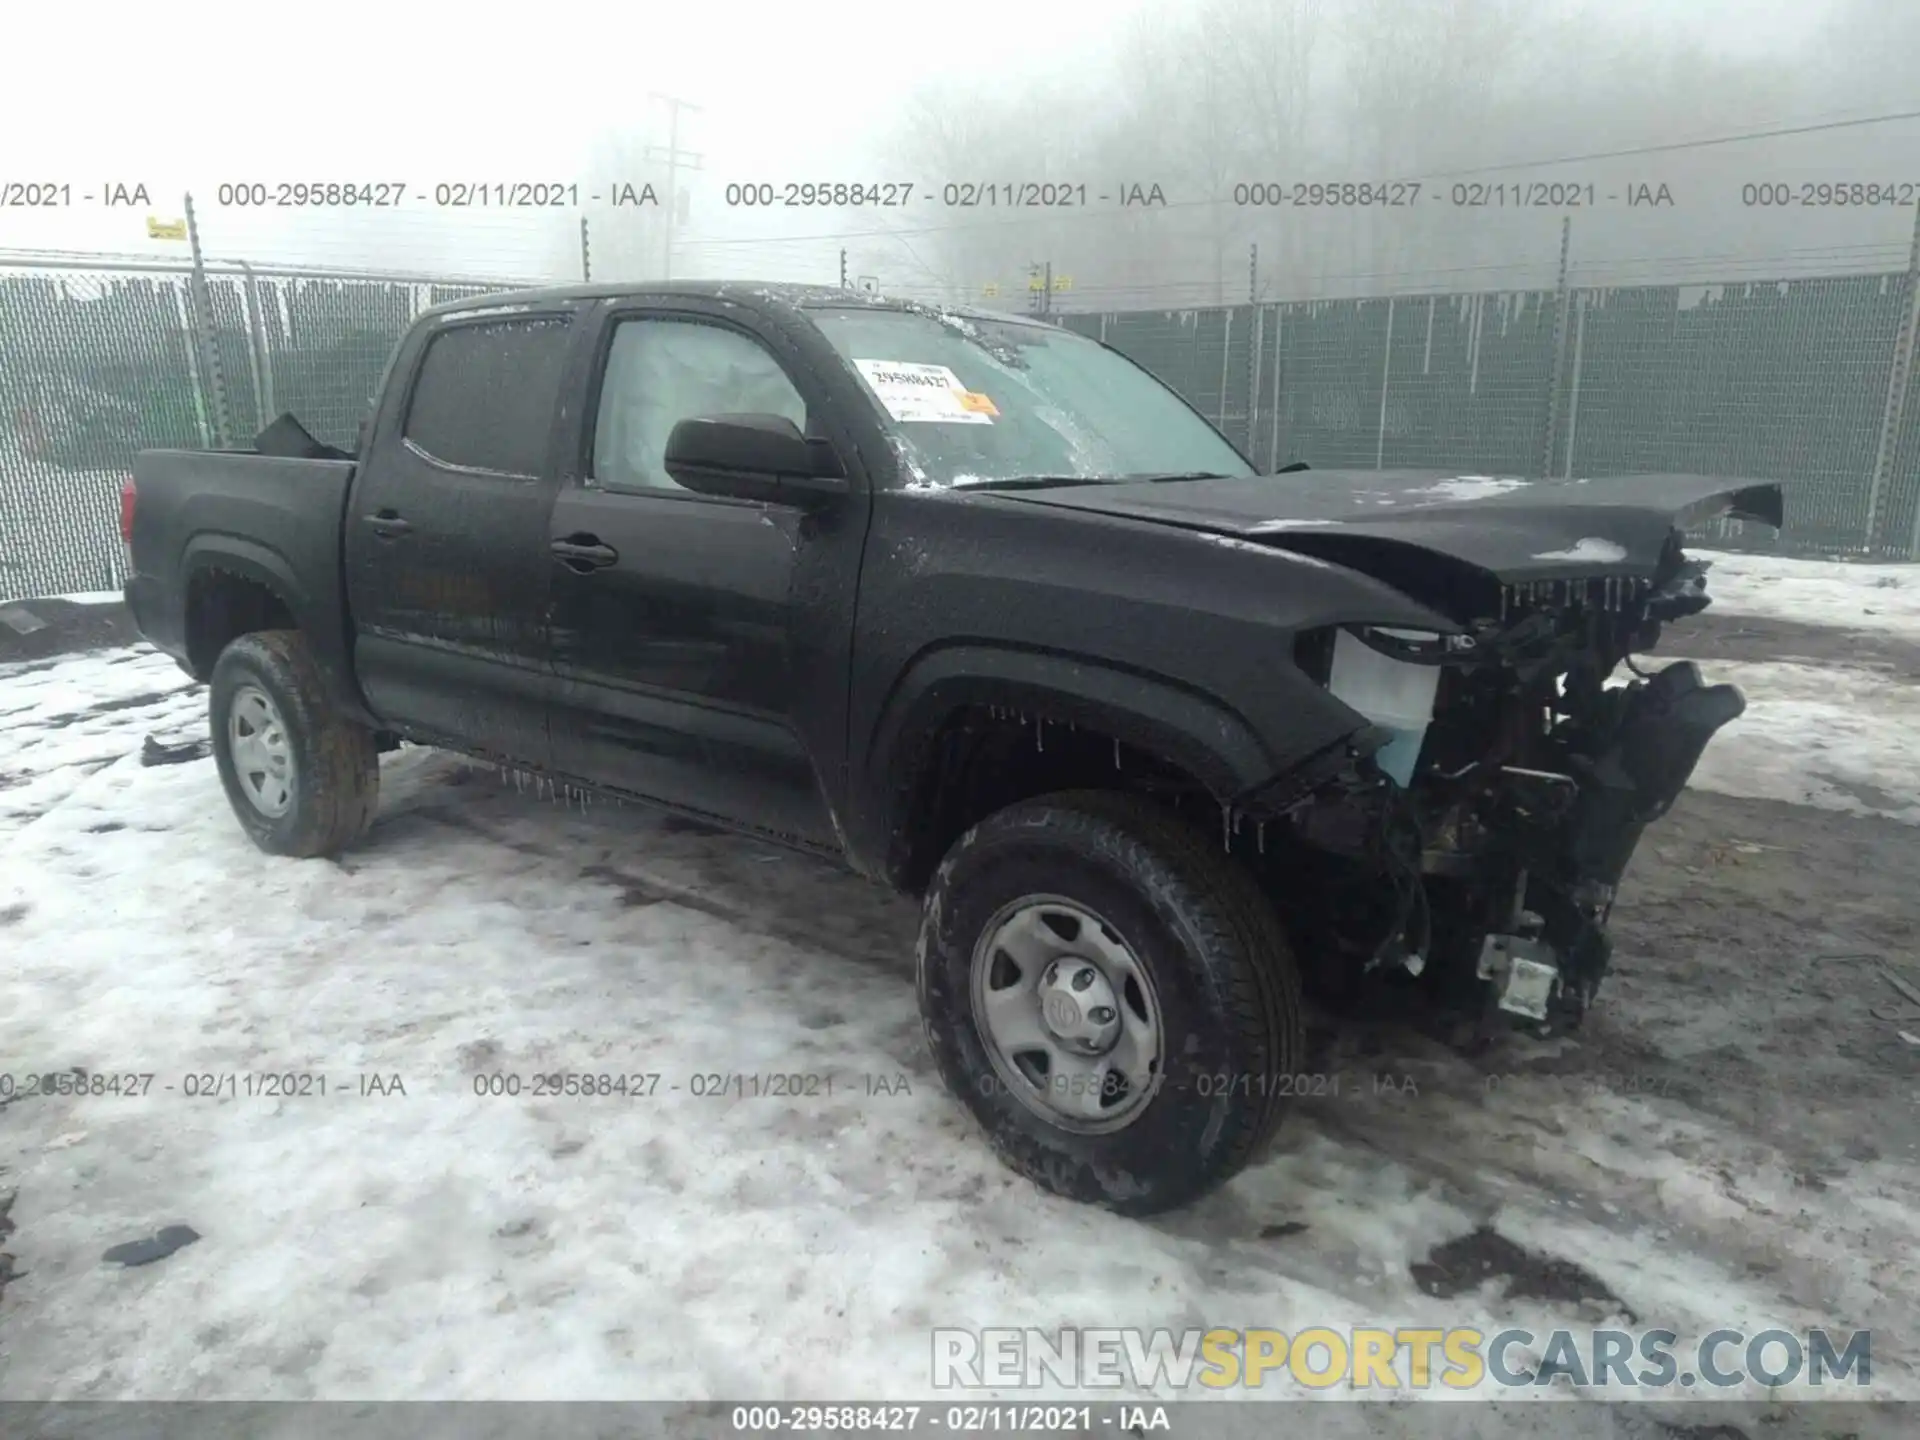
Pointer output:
974, 401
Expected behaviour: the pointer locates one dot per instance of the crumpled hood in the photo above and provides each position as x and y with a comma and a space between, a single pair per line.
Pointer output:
1517, 531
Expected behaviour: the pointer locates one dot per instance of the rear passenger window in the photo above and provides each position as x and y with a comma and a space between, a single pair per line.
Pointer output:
486, 394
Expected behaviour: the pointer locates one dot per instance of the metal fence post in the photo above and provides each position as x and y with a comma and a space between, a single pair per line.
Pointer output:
183, 311
1256, 342
1256, 336
1893, 412
1552, 440
257, 353
209, 345
1279, 337
1226, 359
1573, 380
1386, 369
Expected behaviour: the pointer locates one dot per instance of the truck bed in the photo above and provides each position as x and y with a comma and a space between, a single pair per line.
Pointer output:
277, 519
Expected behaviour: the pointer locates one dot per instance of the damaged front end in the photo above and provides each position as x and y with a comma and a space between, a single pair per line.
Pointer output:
1478, 830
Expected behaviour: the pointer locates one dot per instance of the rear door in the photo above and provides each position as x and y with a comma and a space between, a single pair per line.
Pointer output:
701, 644
446, 550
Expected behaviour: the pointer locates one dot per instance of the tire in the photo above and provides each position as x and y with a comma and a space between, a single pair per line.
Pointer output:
329, 765
1218, 976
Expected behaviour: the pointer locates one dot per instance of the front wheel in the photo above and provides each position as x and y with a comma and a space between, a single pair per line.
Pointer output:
1112, 998
302, 778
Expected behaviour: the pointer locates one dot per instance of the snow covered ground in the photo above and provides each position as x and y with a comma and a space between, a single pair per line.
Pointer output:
702, 1239
1832, 736
1815, 592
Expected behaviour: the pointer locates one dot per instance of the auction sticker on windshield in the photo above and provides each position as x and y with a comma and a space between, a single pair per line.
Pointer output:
916, 392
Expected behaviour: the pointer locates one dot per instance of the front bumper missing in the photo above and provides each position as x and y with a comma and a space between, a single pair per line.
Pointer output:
1544, 960
1525, 974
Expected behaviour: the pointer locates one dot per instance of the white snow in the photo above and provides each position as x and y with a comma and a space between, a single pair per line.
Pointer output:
1590, 549
61, 720
92, 597
1237, 542
1269, 527
1816, 592
1472, 487
1831, 736
444, 1243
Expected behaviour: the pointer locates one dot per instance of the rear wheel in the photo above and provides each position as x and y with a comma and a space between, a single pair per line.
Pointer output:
1112, 998
302, 778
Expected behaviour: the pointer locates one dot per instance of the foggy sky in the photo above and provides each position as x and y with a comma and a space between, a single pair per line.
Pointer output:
850, 90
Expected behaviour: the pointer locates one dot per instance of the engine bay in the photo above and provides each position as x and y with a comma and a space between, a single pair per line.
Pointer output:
1476, 842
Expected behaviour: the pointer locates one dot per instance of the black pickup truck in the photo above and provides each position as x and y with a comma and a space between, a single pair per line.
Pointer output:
981, 609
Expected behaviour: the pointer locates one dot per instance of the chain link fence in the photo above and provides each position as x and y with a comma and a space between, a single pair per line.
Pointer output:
1807, 381
98, 361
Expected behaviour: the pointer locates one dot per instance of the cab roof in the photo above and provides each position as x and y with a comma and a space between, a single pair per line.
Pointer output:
757, 293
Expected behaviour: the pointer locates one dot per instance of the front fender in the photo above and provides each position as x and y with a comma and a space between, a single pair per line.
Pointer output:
1199, 733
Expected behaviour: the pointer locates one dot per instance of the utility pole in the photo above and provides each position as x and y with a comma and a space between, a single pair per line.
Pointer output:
1253, 274
1040, 298
586, 255
843, 269
675, 158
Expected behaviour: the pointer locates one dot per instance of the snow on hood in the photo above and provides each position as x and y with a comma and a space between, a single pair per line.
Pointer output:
1589, 548
1473, 487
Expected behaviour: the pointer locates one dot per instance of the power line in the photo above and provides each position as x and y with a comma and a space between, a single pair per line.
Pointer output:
674, 157
1672, 146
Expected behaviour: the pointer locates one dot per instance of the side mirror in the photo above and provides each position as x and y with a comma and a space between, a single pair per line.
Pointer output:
753, 457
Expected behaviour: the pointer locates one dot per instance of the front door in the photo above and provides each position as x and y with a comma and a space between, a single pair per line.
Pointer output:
446, 538
699, 644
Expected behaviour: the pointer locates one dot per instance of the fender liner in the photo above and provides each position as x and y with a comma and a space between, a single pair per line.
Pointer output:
1191, 729
316, 617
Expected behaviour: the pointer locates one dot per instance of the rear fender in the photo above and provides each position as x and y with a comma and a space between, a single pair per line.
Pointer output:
208, 556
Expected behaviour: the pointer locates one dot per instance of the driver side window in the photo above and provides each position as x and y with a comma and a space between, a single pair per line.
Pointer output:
660, 372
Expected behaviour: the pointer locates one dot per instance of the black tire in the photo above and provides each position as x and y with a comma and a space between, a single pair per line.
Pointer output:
335, 768
1227, 987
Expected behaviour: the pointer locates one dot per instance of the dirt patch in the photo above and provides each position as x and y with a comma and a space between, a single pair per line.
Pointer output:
1465, 1264
7, 1271
108, 707
65, 628
1713, 636
153, 752
1749, 939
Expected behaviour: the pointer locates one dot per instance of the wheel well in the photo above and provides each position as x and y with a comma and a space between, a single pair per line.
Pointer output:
223, 606
984, 758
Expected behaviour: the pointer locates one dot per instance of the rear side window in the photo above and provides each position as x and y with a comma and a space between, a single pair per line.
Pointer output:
486, 394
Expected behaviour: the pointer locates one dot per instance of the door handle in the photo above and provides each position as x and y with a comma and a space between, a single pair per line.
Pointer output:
387, 524
582, 553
